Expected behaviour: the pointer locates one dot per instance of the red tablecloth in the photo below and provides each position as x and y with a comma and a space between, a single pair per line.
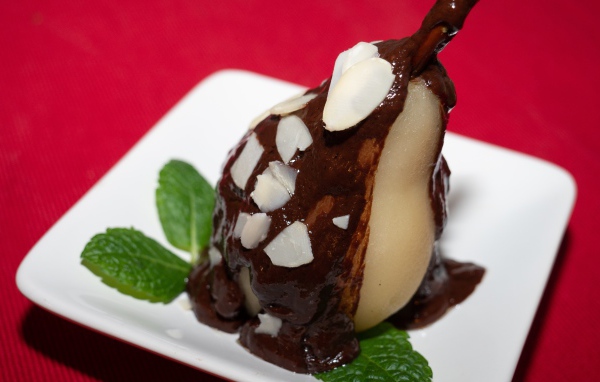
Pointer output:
81, 82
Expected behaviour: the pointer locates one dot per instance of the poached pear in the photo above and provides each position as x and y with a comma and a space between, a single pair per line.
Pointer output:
329, 208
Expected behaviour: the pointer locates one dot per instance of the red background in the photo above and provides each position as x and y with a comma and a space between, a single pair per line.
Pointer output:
81, 82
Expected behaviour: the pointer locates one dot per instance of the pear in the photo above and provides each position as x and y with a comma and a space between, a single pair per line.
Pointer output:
401, 225
329, 208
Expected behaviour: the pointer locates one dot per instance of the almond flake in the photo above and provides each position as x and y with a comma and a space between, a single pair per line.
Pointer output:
337, 70
269, 194
268, 325
175, 333
358, 92
291, 248
246, 162
274, 187
292, 134
292, 104
348, 58
342, 221
255, 230
239, 224
285, 175
358, 53
258, 119
185, 303
214, 256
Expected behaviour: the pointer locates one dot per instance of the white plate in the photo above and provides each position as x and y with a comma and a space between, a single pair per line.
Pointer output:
508, 213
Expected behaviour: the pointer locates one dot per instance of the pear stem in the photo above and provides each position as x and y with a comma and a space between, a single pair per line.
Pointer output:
441, 24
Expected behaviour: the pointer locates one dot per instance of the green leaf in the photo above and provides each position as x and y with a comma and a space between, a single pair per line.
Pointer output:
386, 355
136, 265
185, 202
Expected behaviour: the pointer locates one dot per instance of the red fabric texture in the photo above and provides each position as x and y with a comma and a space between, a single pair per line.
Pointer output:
81, 82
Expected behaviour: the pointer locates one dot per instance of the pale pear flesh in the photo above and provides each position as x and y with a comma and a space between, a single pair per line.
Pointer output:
401, 225
251, 302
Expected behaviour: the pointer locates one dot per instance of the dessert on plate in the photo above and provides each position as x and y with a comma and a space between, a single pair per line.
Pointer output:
330, 208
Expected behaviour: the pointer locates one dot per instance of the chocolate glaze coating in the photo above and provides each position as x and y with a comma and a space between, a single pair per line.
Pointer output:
316, 301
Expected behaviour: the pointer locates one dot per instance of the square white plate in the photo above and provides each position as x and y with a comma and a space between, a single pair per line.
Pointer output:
508, 213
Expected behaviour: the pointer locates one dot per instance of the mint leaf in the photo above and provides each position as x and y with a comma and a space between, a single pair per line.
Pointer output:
135, 265
386, 355
185, 202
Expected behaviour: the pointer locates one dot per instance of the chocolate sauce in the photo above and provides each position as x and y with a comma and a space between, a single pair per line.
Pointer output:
446, 284
316, 301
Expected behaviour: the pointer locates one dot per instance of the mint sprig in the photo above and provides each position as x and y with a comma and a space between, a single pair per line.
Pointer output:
135, 265
185, 202
139, 266
386, 355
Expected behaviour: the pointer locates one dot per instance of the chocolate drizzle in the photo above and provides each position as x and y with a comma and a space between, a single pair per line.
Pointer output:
316, 301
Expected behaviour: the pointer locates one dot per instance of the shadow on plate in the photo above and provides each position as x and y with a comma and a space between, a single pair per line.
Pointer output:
98, 356
521, 372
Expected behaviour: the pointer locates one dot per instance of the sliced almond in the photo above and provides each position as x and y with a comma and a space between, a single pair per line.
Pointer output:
269, 194
337, 69
239, 224
185, 303
258, 119
291, 248
291, 105
255, 230
358, 92
246, 162
175, 333
268, 325
292, 134
354, 55
359, 52
214, 256
285, 175
341, 221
